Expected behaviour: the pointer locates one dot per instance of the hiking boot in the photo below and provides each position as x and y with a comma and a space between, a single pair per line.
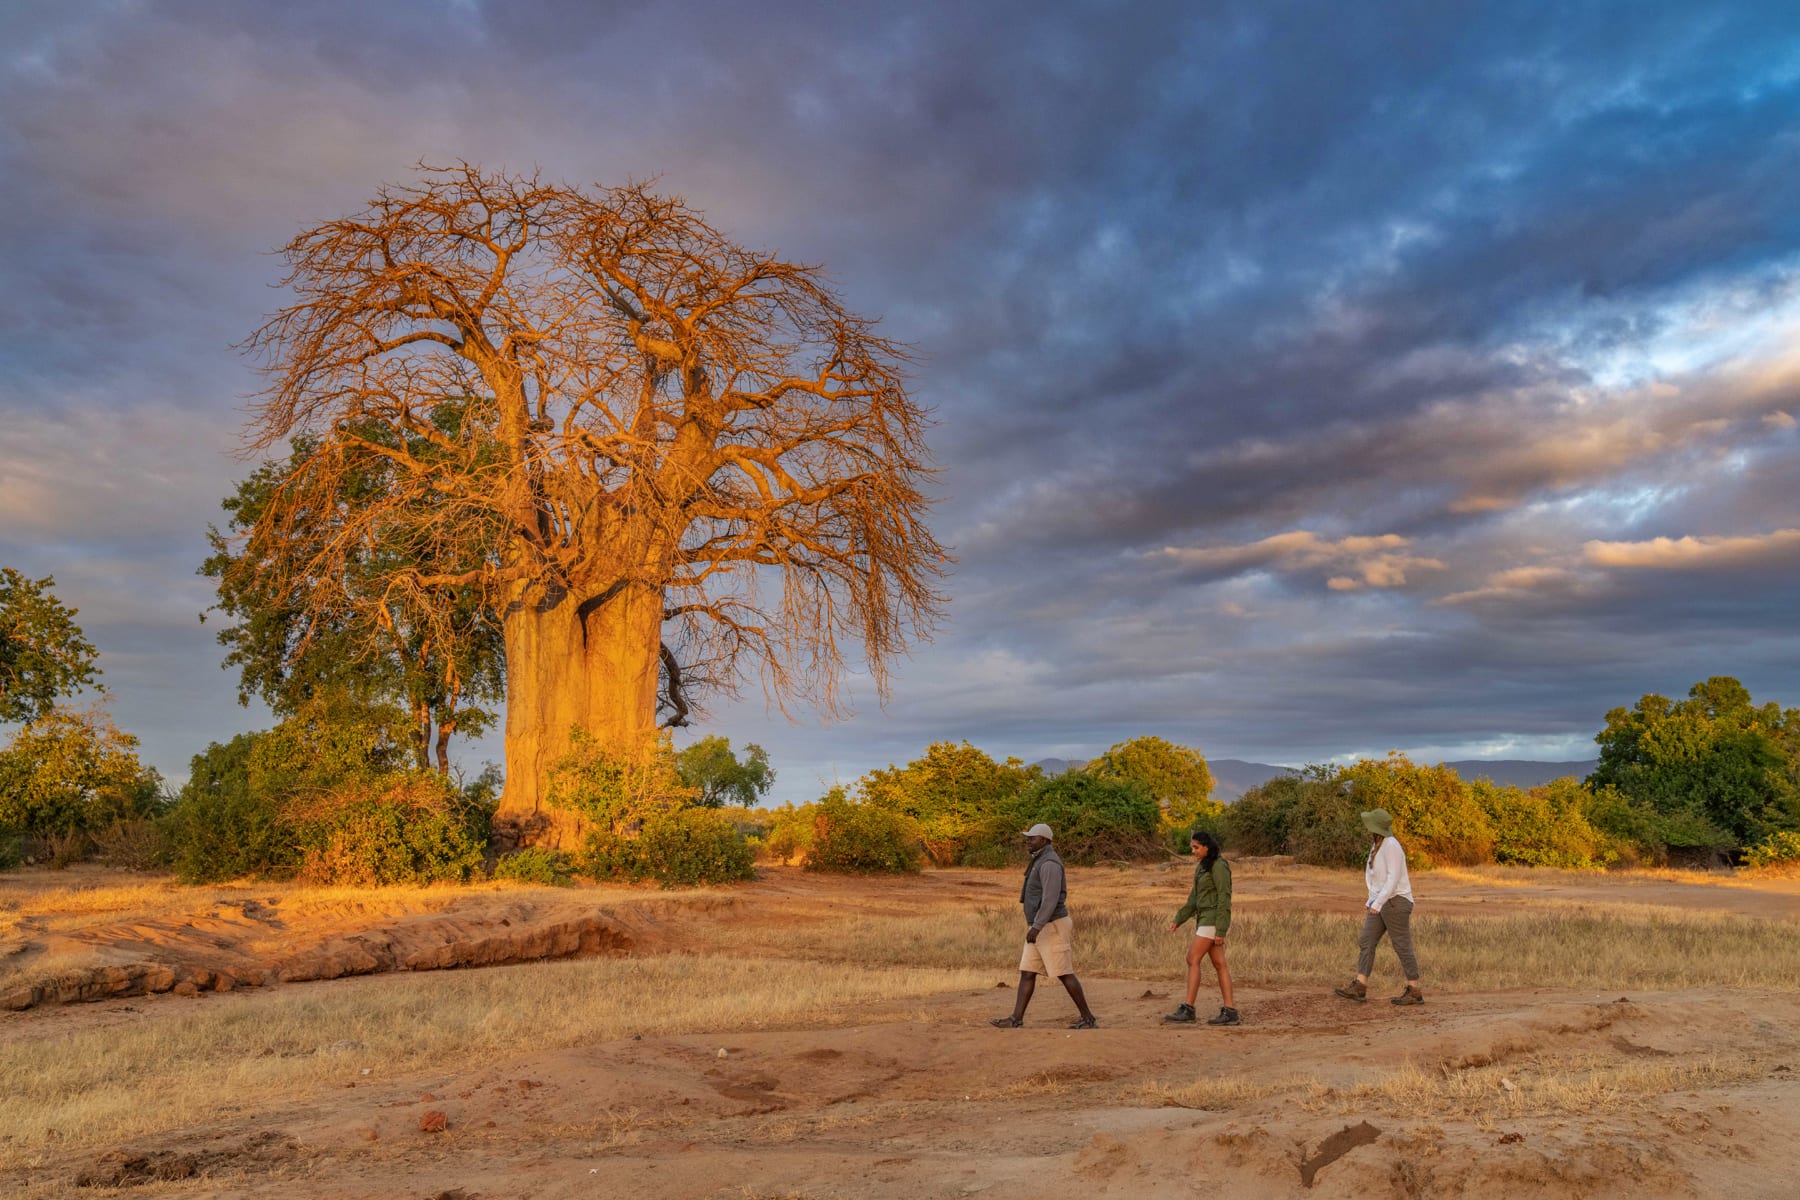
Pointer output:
1227, 1016
1355, 990
1411, 995
1183, 1015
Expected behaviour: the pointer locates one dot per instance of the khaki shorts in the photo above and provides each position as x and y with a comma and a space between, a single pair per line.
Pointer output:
1054, 951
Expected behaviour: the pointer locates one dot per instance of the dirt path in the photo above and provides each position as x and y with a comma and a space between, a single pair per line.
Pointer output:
925, 1099
1552, 1091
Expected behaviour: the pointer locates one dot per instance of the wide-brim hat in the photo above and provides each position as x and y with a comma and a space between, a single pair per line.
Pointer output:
1377, 820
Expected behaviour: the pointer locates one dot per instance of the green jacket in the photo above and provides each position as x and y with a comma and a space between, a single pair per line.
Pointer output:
1210, 901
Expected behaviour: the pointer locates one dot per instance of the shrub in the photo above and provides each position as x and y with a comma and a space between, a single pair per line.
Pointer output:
1633, 828
861, 838
998, 845
1094, 818
69, 774
1434, 813
682, 847
1777, 850
789, 836
412, 827
535, 864
950, 794
605, 854
226, 822
693, 846
12, 849
133, 843
1261, 820
1327, 831
612, 790
1543, 827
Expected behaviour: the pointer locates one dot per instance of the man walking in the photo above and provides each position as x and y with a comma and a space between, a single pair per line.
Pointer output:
1049, 944
1388, 910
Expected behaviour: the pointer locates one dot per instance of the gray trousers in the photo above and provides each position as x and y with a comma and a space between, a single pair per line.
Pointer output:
1395, 918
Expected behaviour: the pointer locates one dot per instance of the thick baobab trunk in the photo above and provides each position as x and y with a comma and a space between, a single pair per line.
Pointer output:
566, 672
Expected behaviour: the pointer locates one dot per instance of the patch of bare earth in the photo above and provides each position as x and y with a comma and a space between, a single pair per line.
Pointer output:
772, 1041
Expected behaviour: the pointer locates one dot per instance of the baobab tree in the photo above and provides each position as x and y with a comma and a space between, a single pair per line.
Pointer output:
677, 464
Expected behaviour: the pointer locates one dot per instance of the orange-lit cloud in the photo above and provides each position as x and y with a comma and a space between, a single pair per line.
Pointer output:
1380, 561
1698, 553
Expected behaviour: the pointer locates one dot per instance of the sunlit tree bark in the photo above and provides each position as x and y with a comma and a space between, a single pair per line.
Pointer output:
680, 464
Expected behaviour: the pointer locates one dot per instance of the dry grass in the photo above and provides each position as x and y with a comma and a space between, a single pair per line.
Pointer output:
88, 1088
1607, 947
1577, 1085
1218, 1093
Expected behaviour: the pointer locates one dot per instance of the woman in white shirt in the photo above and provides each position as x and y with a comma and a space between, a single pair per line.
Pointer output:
1389, 910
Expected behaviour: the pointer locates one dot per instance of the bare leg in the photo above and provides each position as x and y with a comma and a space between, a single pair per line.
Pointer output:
1073, 985
1196, 954
1027, 985
1217, 953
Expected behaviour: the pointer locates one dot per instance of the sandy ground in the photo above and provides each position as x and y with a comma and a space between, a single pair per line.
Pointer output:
921, 1098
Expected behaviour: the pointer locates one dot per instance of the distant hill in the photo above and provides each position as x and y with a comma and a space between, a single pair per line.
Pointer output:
1522, 772
1060, 766
1232, 777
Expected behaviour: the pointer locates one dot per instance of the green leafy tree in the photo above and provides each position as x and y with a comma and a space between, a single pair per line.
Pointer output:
1716, 767
953, 792
712, 769
1095, 818
43, 655
1176, 777
301, 635
72, 773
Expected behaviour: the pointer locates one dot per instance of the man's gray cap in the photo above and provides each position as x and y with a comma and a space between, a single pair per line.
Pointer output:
1040, 830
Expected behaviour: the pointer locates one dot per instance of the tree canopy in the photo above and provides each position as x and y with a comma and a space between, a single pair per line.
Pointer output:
443, 668
43, 655
713, 769
1719, 770
1175, 776
954, 790
676, 464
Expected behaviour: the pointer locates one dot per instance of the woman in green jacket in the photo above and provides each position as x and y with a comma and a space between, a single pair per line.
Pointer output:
1209, 904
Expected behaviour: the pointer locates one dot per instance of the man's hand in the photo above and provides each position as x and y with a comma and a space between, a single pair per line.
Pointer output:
1031, 934
1219, 940
1174, 925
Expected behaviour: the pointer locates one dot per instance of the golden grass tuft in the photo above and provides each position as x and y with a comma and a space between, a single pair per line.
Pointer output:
1217, 1093
1565, 1086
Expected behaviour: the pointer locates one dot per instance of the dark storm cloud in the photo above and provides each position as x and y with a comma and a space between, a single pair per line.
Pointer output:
1310, 381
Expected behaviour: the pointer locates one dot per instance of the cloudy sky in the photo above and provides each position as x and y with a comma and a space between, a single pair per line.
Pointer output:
1308, 384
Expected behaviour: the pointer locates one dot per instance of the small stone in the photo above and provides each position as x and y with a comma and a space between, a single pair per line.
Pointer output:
434, 1122
722, 1053
1508, 1085
426, 1098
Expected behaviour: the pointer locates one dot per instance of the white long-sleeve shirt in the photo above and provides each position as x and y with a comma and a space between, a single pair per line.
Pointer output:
1385, 873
